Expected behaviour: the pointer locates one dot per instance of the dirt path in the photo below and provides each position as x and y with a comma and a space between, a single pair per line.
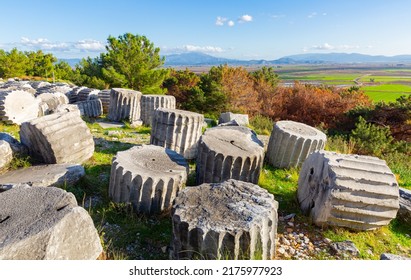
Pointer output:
357, 80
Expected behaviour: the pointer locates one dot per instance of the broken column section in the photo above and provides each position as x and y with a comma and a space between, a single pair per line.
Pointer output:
357, 192
151, 102
18, 106
291, 142
45, 223
62, 137
147, 176
177, 130
124, 105
229, 152
228, 220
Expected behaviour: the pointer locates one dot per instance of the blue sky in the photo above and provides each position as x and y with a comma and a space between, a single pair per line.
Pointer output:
243, 29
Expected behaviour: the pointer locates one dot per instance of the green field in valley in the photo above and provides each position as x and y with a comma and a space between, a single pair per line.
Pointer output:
386, 92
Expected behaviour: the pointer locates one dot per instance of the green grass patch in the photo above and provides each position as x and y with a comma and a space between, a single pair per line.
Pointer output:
383, 96
283, 184
385, 79
11, 129
389, 88
392, 239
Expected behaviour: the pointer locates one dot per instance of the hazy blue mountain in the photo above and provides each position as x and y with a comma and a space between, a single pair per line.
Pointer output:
195, 58
198, 59
71, 61
310, 58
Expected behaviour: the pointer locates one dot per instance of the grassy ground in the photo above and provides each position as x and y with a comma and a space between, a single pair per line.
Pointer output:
126, 235
386, 92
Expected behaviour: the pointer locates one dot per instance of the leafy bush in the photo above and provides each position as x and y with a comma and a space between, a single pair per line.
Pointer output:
261, 124
371, 139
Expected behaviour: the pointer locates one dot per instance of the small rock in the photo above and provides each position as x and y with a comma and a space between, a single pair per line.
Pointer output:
281, 250
289, 216
344, 247
386, 256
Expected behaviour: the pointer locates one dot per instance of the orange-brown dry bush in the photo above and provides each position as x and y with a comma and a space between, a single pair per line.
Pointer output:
237, 84
312, 105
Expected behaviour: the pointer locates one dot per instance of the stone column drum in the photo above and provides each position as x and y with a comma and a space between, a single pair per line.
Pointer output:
124, 105
177, 130
90, 108
87, 94
18, 106
228, 220
45, 223
104, 96
357, 192
151, 102
62, 137
291, 142
229, 152
147, 176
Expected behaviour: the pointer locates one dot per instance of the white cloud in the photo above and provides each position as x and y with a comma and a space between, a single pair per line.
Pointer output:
324, 14
220, 21
324, 46
44, 44
313, 14
278, 16
230, 23
205, 49
89, 45
328, 47
192, 48
245, 18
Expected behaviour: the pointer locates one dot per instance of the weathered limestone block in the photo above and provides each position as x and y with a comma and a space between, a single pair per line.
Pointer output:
352, 191
17, 106
90, 108
124, 105
404, 213
228, 220
177, 130
73, 94
45, 224
104, 96
6, 154
52, 101
229, 152
241, 119
44, 175
61, 88
16, 146
148, 176
149, 103
291, 142
58, 138
38, 84
87, 94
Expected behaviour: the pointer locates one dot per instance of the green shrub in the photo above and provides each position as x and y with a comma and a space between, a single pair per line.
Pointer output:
261, 124
371, 139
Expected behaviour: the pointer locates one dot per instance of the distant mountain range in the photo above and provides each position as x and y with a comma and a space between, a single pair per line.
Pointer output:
197, 59
201, 59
